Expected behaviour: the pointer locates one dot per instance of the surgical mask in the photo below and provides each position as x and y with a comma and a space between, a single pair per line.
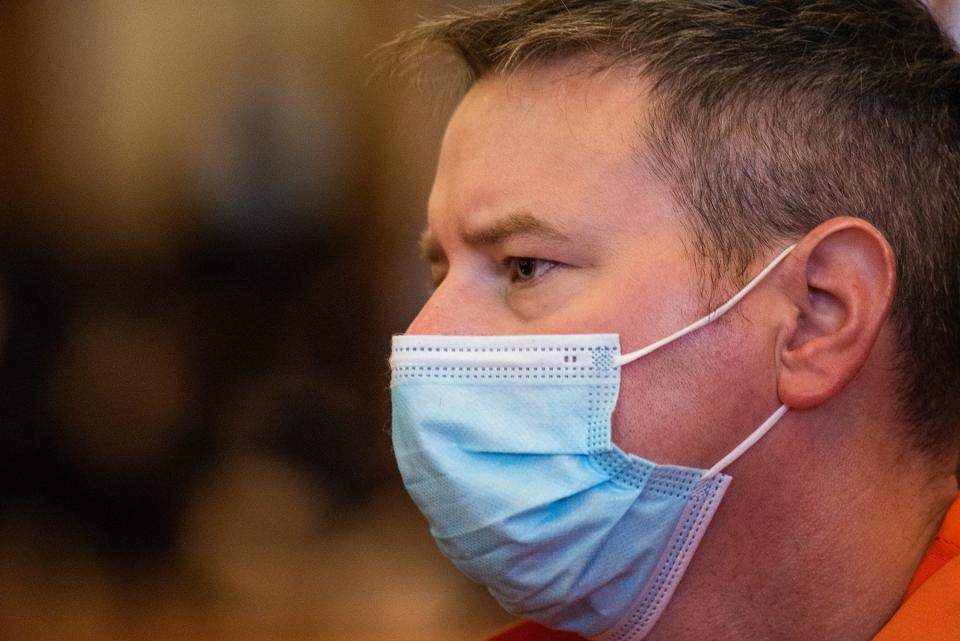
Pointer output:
504, 443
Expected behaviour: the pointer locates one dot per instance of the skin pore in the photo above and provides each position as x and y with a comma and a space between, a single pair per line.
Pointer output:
541, 221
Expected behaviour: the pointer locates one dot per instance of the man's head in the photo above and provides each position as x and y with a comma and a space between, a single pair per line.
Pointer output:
621, 166
699, 138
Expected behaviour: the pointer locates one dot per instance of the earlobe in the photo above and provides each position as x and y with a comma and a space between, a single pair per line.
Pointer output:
843, 286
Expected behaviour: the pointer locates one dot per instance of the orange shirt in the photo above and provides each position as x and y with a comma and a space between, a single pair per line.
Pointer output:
930, 610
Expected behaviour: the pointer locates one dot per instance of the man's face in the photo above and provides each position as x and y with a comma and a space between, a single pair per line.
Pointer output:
542, 221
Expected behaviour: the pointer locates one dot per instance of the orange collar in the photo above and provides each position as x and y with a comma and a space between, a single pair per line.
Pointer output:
944, 548
931, 608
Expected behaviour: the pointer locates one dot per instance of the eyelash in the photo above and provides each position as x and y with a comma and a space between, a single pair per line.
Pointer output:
513, 264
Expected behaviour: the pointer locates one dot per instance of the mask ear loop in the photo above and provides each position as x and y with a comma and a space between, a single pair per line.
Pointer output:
772, 420
624, 359
749, 442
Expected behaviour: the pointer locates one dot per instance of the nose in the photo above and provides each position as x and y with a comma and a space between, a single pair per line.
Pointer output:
451, 310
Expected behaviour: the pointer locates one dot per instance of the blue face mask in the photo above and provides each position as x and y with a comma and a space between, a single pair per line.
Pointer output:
504, 443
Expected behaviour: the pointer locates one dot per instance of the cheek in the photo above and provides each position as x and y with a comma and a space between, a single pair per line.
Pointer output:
652, 408
689, 403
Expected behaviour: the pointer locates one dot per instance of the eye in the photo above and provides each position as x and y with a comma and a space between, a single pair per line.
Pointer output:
524, 269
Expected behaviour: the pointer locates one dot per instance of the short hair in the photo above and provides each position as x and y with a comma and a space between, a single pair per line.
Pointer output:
768, 118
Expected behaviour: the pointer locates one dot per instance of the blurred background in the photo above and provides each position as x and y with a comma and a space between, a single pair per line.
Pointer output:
208, 224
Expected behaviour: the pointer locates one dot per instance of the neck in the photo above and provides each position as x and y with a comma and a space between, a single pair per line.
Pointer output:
828, 558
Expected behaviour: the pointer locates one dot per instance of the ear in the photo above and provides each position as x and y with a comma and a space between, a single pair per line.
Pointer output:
842, 281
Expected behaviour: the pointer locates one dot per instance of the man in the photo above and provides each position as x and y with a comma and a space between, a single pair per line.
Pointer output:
616, 170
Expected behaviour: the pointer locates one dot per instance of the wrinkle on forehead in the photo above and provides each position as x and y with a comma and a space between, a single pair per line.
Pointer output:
558, 144
570, 123
580, 86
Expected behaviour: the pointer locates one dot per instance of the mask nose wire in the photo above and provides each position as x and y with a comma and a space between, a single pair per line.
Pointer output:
624, 359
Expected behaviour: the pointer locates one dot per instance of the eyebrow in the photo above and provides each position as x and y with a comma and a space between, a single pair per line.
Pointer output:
520, 223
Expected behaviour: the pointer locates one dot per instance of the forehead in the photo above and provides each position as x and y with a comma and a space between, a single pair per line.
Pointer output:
557, 97
556, 141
